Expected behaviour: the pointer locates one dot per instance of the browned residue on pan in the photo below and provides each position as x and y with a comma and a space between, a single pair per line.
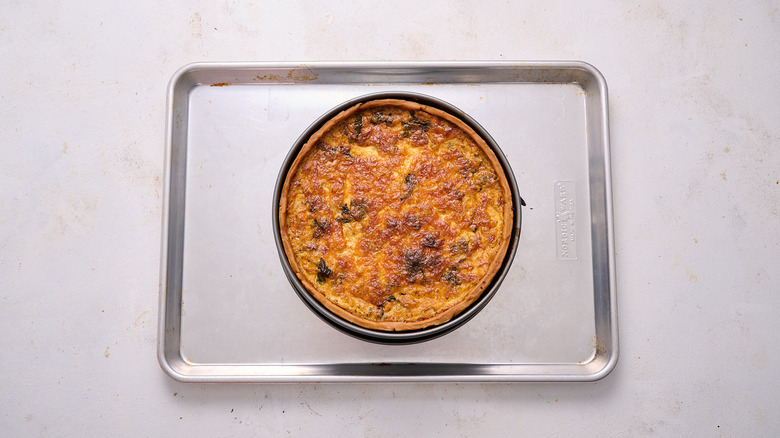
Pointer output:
268, 78
300, 74
220, 84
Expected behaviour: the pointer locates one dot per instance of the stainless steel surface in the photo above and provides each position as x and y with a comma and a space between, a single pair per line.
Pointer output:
227, 313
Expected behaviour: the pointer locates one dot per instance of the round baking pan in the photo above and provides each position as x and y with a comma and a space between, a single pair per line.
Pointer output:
411, 336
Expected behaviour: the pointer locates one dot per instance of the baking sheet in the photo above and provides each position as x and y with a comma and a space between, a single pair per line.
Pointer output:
227, 312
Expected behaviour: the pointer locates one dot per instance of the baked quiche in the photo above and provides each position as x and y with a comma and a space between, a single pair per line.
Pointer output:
395, 215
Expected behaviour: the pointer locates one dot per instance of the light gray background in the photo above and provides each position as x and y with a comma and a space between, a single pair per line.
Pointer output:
694, 108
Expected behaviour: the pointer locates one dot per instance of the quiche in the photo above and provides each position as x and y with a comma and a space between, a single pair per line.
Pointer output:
395, 215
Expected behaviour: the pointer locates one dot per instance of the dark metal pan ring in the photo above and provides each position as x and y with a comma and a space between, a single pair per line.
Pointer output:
412, 336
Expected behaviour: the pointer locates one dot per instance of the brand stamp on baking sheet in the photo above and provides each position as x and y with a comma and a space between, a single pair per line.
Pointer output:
565, 226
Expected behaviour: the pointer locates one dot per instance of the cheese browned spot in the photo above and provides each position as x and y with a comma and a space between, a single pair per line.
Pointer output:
395, 215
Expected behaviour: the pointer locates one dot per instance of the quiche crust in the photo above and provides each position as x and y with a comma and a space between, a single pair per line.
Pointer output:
395, 215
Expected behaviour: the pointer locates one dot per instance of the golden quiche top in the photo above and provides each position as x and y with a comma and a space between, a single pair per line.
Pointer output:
395, 215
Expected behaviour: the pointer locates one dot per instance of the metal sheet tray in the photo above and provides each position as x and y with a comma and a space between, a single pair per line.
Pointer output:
227, 312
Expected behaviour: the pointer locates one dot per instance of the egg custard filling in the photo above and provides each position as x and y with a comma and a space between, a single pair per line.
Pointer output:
395, 215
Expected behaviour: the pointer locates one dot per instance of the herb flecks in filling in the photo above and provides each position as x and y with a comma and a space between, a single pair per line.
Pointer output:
395, 215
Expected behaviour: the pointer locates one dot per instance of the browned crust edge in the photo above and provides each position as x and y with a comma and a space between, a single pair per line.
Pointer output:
480, 286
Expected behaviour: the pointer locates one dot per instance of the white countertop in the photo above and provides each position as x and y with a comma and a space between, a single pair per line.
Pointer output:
694, 111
